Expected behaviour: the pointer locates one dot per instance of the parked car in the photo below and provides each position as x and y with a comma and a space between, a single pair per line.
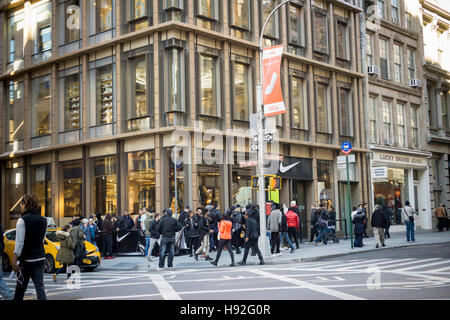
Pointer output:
51, 246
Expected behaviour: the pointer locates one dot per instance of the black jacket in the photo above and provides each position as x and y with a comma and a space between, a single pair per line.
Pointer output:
315, 217
237, 220
168, 226
191, 229
358, 220
35, 230
153, 228
379, 219
2, 243
203, 226
284, 226
183, 216
251, 229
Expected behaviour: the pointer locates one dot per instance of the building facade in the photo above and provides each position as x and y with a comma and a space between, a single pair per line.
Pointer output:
435, 20
98, 93
396, 119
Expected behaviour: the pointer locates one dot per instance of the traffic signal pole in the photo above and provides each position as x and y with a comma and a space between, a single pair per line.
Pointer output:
263, 241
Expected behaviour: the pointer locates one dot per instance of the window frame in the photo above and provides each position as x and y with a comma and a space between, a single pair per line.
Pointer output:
232, 20
398, 74
275, 19
383, 40
305, 105
395, 9
401, 125
39, 53
62, 76
344, 22
301, 24
381, 15
8, 106
247, 62
217, 83
389, 104
347, 87
328, 106
324, 13
133, 21
33, 104
415, 128
373, 118
18, 16
411, 67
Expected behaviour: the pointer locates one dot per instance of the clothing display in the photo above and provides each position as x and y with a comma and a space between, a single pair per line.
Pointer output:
106, 98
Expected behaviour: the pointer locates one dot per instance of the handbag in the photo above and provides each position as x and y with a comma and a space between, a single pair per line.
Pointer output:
411, 218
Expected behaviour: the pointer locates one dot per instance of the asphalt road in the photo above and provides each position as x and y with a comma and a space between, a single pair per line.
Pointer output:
421, 272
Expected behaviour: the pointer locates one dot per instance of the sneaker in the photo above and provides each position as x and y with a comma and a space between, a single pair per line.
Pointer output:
279, 254
214, 263
377, 246
315, 243
149, 260
261, 263
208, 258
292, 250
274, 254
232, 264
196, 257
242, 263
55, 278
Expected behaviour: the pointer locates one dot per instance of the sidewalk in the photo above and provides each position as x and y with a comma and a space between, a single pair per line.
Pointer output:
307, 252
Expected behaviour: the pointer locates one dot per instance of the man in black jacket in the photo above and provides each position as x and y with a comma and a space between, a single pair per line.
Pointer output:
379, 223
167, 227
315, 214
154, 234
5, 292
251, 239
203, 228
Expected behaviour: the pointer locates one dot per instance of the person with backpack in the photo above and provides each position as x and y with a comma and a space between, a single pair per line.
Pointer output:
5, 292
225, 229
293, 223
359, 222
408, 218
203, 227
284, 231
322, 226
237, 228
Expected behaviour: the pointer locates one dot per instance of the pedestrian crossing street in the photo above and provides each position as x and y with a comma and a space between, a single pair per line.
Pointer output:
325, 277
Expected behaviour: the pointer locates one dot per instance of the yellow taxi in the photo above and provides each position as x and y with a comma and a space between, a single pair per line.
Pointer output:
51, 246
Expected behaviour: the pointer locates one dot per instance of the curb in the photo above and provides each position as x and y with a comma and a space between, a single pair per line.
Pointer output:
296, 260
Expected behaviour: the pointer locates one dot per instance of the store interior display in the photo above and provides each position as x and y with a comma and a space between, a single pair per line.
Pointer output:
73, 105
106, 98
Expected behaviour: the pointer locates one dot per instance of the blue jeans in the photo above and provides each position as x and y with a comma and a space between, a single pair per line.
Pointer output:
5, 292
285, 235
167, 247
322, 234
410, 231
147, 245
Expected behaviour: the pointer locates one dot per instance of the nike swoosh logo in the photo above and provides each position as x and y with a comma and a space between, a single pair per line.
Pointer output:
286, 169
121, 238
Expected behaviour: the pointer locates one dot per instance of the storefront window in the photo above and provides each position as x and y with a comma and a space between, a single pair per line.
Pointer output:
140, 91
71, 11
41, 185
105, 185
242, 186
180, 180
43, 38
392, 190
40, 102
209, 76
72, 102
15, 190
325, 183
242, 102
141, 180
72, 187
104, 95
15, 37
209, 185
104, 15
14, 111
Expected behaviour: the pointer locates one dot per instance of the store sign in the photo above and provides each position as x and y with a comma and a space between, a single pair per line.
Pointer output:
379, 173
272, 93
399, 159
295, 168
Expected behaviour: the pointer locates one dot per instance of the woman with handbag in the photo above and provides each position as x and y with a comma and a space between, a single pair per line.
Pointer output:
408, 217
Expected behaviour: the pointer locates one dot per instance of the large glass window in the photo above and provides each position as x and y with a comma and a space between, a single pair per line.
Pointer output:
323, 108
240, 18
373, 120
241, 186
104, 84
105, 185
384, 59
401, 125
14, 111
381, 9
325, 183
70, 21
138, 14
320, 34
175, 74
409, 21
43, 38
394, 12
242, 91
209, 185
345, 112
180, 181
208, 83
139, 93
387, 121
72, 102
208, 13
444, 109
272, 28
370, 52
296, 25
415, 126
342, 41
15, 190
40, 106
104, 15
15, 25
411, 63
41, 185
398, 63
72, 187
299, 103
141, 181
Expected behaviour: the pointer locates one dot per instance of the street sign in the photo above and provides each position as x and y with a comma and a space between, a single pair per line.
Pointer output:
346, 147
341, 159
254, 146
254, 125
246, 164
268, 137
274, 157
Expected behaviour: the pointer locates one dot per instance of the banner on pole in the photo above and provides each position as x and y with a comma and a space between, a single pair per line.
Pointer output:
272, 94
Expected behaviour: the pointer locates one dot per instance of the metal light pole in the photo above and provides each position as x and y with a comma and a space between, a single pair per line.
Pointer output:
176, 184
263, 240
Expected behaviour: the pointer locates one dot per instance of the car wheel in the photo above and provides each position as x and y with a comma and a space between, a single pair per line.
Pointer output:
49, 264
6, 266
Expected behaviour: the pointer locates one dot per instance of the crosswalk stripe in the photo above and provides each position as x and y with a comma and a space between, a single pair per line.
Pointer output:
377, 264
407, 263
343, 265
424, 265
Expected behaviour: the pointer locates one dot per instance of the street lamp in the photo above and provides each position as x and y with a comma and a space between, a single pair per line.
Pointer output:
262, 196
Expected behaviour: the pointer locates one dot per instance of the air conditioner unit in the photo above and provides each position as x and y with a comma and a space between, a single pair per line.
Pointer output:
372, 70
388, 142
415, 83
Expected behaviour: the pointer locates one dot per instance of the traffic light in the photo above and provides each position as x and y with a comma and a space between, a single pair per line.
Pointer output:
271, 182
275, 183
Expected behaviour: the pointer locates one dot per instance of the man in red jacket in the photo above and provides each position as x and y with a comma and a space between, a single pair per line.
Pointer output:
293, 225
